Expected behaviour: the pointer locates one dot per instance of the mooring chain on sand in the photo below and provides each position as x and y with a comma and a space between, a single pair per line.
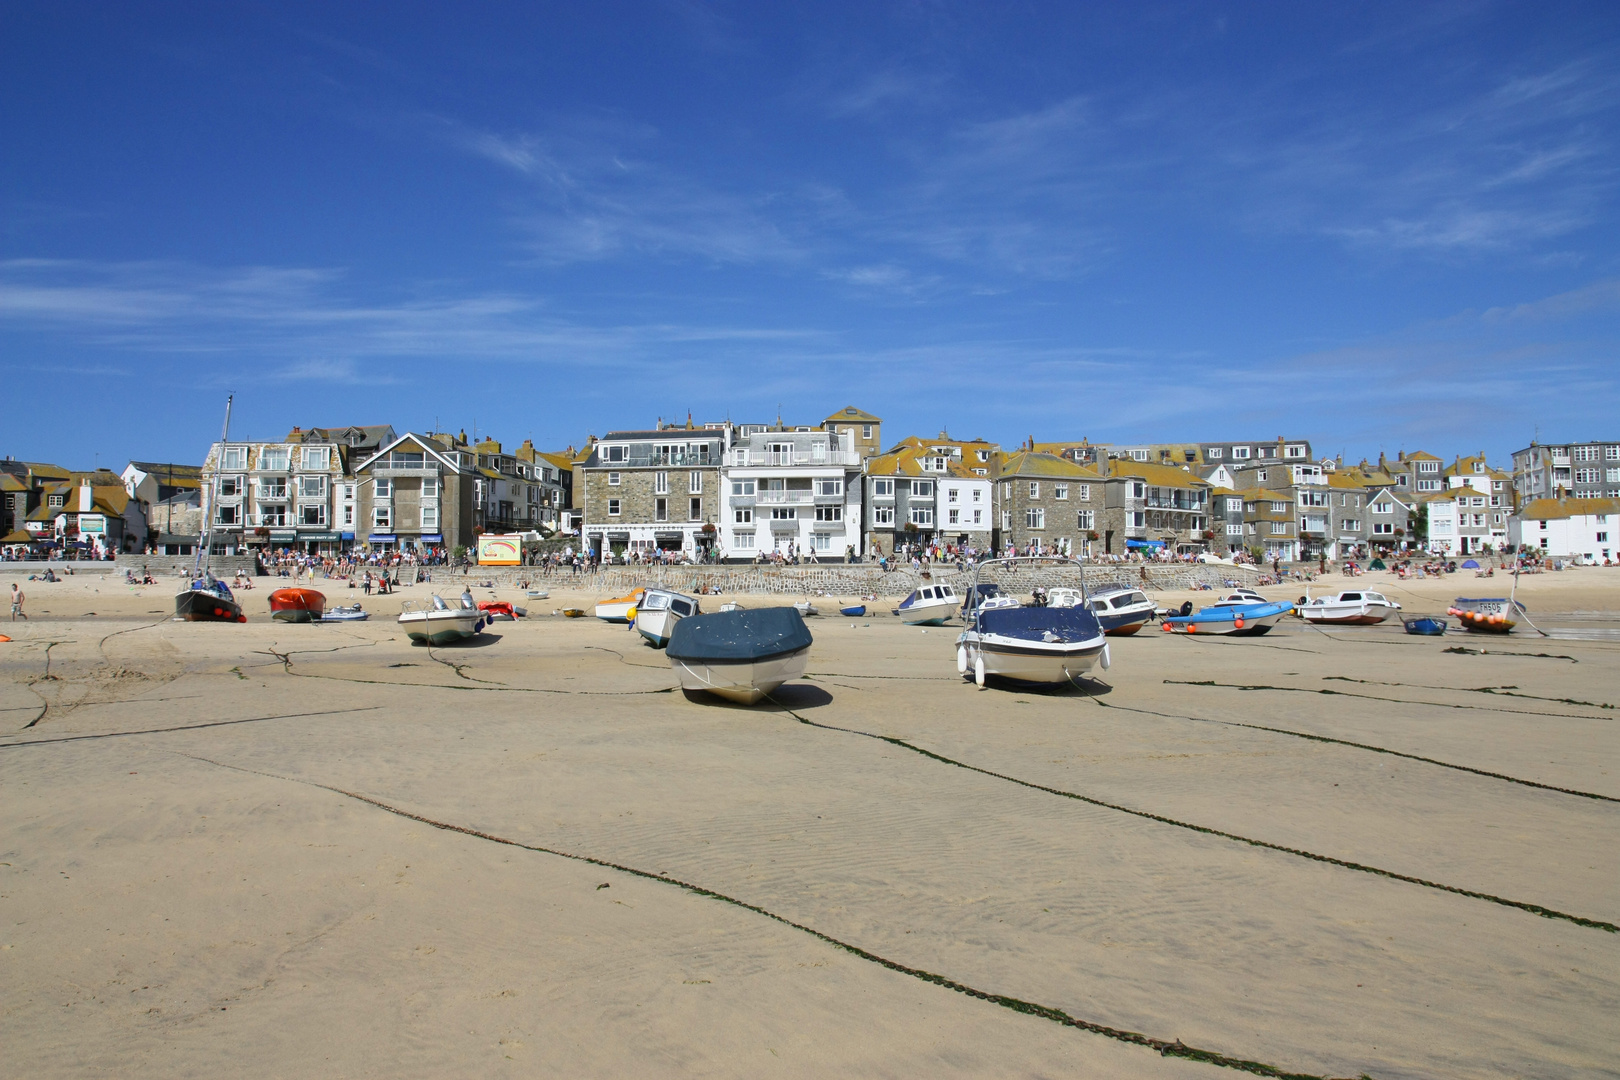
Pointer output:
1174, 1048
1326, 692
1534, 909
1498, 691
1362, 746
185, 727
497, 688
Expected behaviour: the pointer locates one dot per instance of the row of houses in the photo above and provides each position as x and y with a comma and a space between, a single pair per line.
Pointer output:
732, 491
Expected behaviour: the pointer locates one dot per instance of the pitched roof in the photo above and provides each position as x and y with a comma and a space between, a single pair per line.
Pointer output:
1039, 463
1557, 509
1158, 475
165, 468
852, 415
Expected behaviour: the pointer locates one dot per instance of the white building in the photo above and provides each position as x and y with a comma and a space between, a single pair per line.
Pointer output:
791, 491
1567, 528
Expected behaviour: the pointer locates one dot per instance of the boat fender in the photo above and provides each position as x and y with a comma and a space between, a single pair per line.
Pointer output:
961, 659
978, 671
1106, 659
1238, 622
241, 618
1166, 627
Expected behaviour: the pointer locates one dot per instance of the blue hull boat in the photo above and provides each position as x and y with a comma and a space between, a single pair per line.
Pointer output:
1426, 626
854, 610
1239, 620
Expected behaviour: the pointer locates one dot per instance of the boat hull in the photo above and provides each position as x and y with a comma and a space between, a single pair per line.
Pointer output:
297, 605
1235, 621
1493, 615
656, 626
1350, 614
928, 613
1426, 627
618, 609
1035, 662
1123, 624
442, 627
745, 681
200, 605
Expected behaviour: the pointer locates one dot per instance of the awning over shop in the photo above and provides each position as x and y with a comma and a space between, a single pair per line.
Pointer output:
1144, 543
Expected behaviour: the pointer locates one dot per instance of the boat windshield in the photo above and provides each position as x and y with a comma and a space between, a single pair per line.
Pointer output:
1031, 580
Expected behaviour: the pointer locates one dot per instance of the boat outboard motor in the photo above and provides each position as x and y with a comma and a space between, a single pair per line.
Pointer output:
1186, 607
1037, 595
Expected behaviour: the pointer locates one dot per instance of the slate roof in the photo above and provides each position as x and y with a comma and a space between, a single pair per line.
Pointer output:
1558, 509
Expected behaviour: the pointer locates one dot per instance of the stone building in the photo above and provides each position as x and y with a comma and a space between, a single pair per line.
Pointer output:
1150, 506
1048, 501
1585, 470
641, 491
419, 492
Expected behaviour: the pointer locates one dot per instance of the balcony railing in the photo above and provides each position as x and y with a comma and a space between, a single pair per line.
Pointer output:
1172, 504
749, 458
784, 498
647, 461
384, 468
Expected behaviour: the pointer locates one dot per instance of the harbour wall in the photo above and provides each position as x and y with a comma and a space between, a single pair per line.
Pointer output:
838, 580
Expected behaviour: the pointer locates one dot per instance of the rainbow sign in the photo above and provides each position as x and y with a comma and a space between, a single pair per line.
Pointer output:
499, 551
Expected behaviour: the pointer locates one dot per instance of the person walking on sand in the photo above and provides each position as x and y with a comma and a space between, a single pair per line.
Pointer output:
17, 602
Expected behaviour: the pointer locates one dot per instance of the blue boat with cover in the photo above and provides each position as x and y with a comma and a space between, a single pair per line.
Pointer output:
1049, 640
740, 655
1237, 619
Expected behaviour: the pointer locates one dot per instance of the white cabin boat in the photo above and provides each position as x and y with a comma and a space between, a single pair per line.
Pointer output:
618, 609
930, 605
1121, 609
437, 623
659, 611
1353, 607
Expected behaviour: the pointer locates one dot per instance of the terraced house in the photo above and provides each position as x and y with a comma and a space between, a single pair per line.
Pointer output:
296, 493
1049, 502
1583, 470
418, 491
920, 492
1151, 506
792, 490
657, 489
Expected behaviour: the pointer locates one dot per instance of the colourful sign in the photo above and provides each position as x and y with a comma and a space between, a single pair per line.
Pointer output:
93, 523
499, 551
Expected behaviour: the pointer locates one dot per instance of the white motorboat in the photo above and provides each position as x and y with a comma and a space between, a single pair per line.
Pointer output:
1353, 607
1121, 609
437, 623
805, 608
619, 608
930, 605
740, 655
659, 611
1038, 642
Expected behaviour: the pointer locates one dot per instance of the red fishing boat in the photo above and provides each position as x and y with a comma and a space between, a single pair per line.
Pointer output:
297, 605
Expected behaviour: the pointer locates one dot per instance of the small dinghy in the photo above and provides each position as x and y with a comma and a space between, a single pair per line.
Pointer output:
297, 605
805, 608
1121, 609
208, 599
499, 610
731, 605
930, 605
1426, 625
1355, 607
352, 613
1487, 615
740, 655
1037, 642
1237, 619
573, 613
617, 610
658, 613
853, 610
437, 623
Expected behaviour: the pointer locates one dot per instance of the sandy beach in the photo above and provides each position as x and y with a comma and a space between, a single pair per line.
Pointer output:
274, 850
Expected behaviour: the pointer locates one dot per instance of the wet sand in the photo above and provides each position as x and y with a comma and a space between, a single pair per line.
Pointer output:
272, 850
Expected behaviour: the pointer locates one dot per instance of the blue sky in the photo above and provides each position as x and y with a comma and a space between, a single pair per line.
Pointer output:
1380, 226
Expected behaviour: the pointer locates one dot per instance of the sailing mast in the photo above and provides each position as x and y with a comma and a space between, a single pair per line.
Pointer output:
206, 548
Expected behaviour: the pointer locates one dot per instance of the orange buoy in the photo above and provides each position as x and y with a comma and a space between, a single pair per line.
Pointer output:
4, 638
1238, 622
1166, 627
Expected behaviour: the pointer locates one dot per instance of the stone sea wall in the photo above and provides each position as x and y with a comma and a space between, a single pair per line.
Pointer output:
838, 580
